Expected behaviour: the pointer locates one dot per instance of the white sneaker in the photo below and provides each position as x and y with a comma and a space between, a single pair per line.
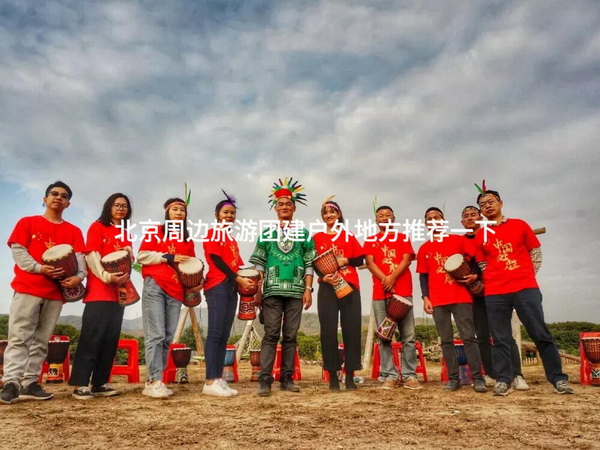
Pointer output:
216, 389
156, 389
227, 387
519, 384
489, 381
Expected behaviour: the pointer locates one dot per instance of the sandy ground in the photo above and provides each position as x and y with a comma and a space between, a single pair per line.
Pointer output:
315, 418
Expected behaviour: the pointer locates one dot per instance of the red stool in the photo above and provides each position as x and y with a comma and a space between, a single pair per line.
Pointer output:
465, 371
277, 366
132, 369
66, 362
171, 370
585, 366
396, 352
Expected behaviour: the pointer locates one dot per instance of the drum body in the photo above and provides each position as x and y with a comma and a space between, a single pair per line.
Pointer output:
190, 274
397, 308
228, 374
181, 359
255, 363
3, 345
57, 354
247, 309
120, 261
62, 256
458, 268
591, 346
327, 264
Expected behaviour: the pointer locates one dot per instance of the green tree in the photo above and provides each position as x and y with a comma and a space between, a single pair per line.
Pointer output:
3, 327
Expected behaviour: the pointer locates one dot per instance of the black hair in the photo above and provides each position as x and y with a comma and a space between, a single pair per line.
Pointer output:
383, 207
106, 214
489, 191
59, 184
434, 208
185, 228
466, 208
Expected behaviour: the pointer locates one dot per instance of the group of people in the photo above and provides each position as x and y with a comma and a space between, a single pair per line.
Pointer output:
505, 262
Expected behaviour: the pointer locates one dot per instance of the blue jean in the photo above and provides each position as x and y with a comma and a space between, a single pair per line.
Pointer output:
160, 313
222, 304
528, 305
409, 353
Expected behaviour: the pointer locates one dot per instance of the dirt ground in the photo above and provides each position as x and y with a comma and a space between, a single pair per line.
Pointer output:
315, 418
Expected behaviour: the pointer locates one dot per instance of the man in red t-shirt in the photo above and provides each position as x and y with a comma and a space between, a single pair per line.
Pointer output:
37, 301
509, 254
388, 256
444, 297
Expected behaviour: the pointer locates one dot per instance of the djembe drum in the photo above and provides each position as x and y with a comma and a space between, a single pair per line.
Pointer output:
181, 358
3, 345
190, 274
247, 310
591, 346
458, 268
327, 264
228, 374
120, 261
62, 256
255, 363
57, 353
397, 308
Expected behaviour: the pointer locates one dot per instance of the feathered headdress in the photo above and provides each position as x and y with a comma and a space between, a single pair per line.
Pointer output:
187, 195
481, 189
375, 206
229, 199
287, 188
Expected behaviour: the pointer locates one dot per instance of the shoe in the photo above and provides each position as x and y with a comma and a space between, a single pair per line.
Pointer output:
381, 379
350, 384
264, 389
216, 389
82, 393
104, 391
562, 387
502, 389
10, 393
226, 386
156, 389
287, 384
479, 385
35, 392
412, 383
519, 384
452, 385
334, 382
489, 381
389, 384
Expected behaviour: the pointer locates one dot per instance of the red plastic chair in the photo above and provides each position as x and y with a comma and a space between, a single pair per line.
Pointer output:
277, 366
396, 355
132, 369
585, 366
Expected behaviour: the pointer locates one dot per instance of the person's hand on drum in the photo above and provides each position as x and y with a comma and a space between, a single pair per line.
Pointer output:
71, 281
118, 278
245, 283
53, 272
427, 305
469, 279
342, 262
180, 258
332, 278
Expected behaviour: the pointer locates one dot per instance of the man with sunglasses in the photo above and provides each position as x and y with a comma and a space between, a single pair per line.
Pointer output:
37, 300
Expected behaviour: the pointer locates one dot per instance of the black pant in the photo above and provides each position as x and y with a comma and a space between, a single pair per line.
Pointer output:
349, 310
95, 355
484, 340
275, 309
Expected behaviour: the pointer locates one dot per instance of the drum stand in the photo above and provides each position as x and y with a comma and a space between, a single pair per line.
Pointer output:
195, 328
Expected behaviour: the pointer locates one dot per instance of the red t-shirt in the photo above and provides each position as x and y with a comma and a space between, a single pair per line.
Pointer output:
443, 289
345, 246
37, 234
509, 266
104, 240
163, 274
387, 255
219, 243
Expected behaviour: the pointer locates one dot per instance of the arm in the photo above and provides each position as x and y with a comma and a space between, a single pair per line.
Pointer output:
424, 282
536, 258
150, 258
388, 282
373, 268
24, 260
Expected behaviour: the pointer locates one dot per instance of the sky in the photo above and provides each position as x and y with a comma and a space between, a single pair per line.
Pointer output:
409, 102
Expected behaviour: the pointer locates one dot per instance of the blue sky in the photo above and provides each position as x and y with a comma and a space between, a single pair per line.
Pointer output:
409, 102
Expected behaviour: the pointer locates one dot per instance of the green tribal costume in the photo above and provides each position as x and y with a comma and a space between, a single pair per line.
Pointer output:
285, 262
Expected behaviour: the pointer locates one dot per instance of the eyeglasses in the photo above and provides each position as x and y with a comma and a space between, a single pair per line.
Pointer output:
490, 202
120, 206
58, 194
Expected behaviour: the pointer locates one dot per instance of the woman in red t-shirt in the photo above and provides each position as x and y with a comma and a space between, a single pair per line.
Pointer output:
223, 258
350, 255
163, 293
102, 315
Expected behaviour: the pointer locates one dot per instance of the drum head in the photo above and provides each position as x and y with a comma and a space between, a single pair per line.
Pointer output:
191, 266
454, 262
114, 256
248, 273
57, 252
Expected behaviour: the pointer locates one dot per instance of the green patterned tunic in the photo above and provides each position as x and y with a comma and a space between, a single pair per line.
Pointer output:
285, 262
